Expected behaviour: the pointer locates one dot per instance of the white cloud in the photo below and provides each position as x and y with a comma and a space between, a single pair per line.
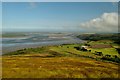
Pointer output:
108, 22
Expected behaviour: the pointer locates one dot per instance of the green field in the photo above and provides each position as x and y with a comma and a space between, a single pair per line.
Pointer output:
63, 61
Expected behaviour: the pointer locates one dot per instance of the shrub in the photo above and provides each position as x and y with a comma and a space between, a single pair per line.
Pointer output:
115, 56
83, 49
107, 55
118, 49
98, 53
111, 59
78, 48
87, 44
89, 50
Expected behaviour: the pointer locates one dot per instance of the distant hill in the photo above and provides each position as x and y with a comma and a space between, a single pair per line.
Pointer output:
96, 37
14, 35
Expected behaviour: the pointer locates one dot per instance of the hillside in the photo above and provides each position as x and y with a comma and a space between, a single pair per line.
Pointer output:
63, 61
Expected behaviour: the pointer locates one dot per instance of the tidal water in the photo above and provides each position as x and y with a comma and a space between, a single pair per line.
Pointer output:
37, 40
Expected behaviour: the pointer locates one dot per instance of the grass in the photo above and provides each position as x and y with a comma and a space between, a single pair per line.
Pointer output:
57, 67
62, 61
105, 51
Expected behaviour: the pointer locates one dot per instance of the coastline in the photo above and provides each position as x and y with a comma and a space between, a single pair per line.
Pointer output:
35, 45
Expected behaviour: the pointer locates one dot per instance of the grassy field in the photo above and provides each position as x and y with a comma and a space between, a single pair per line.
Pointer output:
111, 51
56, 67
63, 61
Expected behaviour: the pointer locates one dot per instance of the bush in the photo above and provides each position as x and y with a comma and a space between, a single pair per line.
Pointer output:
89, 50
98, 53
115, 56
111, 59
83, 49
118, 49
78, 48
107, 55
87, 44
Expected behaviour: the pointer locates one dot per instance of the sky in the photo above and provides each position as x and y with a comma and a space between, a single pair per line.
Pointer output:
60, 0
60, 16
0, 17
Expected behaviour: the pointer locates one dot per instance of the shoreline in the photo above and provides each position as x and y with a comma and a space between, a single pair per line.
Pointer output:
6, 50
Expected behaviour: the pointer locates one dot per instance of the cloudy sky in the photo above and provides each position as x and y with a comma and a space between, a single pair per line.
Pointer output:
60, 16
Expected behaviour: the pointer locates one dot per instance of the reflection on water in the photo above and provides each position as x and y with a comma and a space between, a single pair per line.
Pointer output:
35, 40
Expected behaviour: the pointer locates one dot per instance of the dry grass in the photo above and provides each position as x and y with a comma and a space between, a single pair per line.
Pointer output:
56, 67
